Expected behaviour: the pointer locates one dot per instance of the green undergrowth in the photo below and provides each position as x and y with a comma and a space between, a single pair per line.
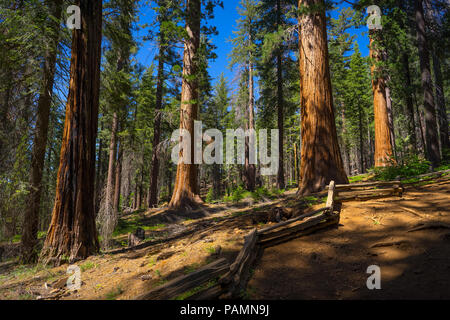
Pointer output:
191, 292
130, 225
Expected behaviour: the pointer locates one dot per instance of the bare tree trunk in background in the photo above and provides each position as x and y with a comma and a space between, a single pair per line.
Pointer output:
31, 217
186, 191
98, 175
383, 145
361, 143
280, 107
153, 189
321, 157
440, 101
118, 178
409, 103
250, 169
391, 119
72, 234
431, 136
112, 159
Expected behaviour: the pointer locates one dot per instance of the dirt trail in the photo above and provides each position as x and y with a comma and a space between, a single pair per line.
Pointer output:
332, 264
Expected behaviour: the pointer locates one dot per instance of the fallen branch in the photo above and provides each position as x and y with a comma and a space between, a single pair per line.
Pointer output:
430, 225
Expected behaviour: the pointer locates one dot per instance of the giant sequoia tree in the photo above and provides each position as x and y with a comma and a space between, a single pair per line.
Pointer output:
72, 234
321, 157
383, 145
186, 191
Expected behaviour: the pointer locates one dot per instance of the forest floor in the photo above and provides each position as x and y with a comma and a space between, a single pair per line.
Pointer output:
408, 238
326, 265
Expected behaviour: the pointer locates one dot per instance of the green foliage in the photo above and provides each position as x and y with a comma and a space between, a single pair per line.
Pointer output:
236, 195
261, 193
114, 293
413, 166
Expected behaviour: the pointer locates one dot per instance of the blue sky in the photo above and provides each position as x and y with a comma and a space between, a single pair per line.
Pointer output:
225, 21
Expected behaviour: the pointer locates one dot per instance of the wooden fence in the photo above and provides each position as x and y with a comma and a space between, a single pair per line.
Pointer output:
369, 190
226, 281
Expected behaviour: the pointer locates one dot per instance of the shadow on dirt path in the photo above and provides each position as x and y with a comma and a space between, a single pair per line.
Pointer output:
332, 264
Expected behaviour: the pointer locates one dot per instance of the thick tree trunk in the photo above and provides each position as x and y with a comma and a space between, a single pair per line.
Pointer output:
321, 157
154, 171
31, 217
383, 146
72, 234
186, 191
431, 136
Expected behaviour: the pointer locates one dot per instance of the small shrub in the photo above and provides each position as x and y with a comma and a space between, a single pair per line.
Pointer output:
413, 166
114, 293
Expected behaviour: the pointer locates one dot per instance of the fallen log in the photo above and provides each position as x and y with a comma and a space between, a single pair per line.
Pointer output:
367, 194
330, 221
301, 217
249, 244
365, 185
250, 241
188, 282
293, 228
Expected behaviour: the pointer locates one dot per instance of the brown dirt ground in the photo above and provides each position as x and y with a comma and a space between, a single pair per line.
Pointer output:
185, 243
327, 265
332, 264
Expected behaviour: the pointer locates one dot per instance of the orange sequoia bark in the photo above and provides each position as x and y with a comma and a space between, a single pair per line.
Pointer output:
186, 191
72, 234
321, 159
383, 146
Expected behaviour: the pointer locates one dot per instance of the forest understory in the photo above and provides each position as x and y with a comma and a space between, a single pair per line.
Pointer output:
408, 237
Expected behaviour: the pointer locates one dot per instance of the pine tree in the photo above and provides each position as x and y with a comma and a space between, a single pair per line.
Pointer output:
244, 54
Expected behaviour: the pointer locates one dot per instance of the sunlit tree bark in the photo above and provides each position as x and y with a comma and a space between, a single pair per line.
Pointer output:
72, 234
383, 146
321, 159
186, 191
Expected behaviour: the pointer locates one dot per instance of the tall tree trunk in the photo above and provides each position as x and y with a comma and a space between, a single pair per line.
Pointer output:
440, 102
321, 157
431, 136
72, 234
409, 102
118, 178
31, 217
186, 191
296, 171
383, 146
361, 143
250, 169
390, 113
153, 189
111, 165
280, 107
98, 175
